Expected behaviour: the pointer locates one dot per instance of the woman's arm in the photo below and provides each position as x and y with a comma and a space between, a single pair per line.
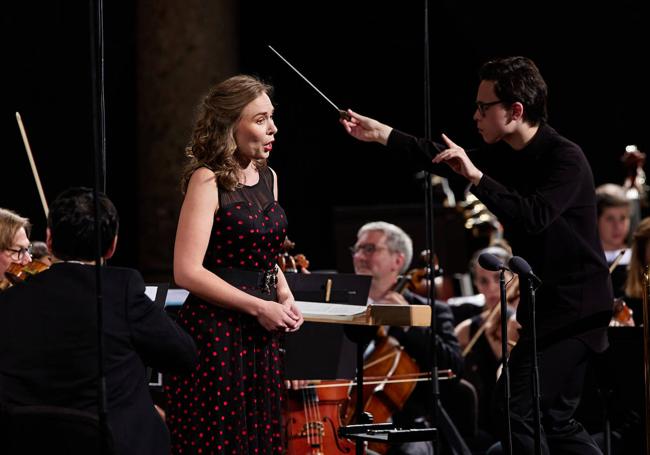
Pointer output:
285, 296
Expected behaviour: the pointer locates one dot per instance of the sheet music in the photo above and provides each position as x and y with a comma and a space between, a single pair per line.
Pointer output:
330, 309
151, 291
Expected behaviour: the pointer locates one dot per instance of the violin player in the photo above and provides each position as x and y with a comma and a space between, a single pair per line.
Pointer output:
14, 240
383, 251
483, 358
48, 348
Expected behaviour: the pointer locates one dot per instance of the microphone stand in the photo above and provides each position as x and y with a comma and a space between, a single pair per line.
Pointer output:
536, 391
505, 369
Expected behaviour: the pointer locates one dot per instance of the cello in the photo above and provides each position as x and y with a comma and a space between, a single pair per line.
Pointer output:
395, 376
313, 418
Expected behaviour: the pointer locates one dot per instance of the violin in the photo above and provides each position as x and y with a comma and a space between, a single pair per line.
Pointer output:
416, 280
289, 263
622, 314
397, 375
17, 273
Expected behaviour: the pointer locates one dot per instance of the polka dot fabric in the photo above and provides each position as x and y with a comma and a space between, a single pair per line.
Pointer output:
231, 403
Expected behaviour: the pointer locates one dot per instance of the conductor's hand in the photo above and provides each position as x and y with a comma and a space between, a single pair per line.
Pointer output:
457, 159
277, 317
365, 129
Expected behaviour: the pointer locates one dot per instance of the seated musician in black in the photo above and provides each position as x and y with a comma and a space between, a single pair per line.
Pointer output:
639, 260
614, 210
48, 347
384, 251
480, 336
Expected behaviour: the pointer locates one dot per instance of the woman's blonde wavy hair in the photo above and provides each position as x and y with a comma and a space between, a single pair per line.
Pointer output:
212, 144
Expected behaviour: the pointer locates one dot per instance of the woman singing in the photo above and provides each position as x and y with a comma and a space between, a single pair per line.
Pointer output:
230, 230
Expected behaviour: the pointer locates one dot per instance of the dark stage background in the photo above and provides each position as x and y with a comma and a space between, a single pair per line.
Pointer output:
364, 55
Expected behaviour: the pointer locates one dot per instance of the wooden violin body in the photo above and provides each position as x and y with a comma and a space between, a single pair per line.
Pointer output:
17, 273
289, 263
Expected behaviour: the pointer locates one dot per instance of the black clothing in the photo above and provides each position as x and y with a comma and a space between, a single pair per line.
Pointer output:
544, 197
232, 400
415, 341
561, 389
481, 367
48, 349
418, 407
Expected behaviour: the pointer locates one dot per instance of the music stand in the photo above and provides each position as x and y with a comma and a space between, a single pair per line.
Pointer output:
306, 356
157, 292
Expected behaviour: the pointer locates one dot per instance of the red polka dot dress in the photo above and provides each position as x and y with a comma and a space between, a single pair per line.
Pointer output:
230, 404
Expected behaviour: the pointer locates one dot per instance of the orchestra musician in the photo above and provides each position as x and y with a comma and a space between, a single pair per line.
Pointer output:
640, 259
613, 209
383, 251
480, 336
548, 211
14, 240
48, 348
41, 253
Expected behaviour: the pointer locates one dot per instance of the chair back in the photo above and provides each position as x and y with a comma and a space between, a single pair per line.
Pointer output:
28, 430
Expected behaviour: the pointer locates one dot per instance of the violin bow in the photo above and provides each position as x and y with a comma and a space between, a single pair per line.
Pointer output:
482, 328
32, 163
480, 331
417, 377
616, 260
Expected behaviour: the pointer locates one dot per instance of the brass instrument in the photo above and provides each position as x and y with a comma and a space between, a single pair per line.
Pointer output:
646, 358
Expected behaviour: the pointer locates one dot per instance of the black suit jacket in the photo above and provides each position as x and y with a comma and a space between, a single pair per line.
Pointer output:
48, 349
544, 197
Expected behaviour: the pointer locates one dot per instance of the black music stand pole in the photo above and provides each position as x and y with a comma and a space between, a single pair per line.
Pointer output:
536, 391
505, 370
429, 225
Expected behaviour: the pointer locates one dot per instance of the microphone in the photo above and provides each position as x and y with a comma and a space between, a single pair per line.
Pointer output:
521, 267
491, 262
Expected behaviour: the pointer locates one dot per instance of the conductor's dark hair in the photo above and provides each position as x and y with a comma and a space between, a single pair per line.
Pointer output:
72, 224
517, 79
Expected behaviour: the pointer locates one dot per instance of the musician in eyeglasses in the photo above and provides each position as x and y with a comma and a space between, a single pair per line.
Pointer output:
14, 240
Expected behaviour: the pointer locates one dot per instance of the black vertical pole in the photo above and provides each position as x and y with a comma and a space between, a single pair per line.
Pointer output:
429, 226
99, 144
536, 391
505, 370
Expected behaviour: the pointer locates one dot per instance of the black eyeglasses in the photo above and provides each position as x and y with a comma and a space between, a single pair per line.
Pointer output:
483, 107
19, 254
367, 248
